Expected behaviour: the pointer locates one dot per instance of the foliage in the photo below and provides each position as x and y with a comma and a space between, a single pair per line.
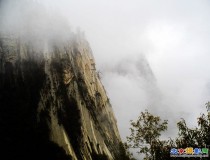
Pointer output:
199, 136
128, 155
145, 133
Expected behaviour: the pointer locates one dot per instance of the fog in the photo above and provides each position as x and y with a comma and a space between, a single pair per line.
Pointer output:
171, 36
33, 23
152, 54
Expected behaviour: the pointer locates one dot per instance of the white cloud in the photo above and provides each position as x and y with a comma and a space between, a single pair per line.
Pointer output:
173, 35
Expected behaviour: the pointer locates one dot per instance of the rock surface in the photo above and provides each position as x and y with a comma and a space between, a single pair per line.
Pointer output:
52, 103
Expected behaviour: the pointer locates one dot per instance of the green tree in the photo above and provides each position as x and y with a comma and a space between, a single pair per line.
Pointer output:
194, 137
145, 133
127, 151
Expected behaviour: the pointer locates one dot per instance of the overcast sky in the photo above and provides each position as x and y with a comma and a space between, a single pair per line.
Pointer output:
172, 35
153, 54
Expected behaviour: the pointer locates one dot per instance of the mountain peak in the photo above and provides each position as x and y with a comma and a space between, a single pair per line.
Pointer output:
53, 103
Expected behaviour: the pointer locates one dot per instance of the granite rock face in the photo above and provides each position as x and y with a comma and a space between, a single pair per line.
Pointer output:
52, 103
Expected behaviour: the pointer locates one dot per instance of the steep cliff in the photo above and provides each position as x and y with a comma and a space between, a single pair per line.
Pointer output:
52, 102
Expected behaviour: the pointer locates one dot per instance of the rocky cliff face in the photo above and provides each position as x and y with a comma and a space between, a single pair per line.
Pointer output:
52, 102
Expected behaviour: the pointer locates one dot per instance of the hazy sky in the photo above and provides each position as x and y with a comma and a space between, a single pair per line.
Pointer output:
173, 35
153, 54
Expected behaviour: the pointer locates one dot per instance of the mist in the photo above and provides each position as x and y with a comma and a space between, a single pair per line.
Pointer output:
171, 36
152, 54
33, 23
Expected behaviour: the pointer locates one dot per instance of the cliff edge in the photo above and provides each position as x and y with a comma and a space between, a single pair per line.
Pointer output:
52, 102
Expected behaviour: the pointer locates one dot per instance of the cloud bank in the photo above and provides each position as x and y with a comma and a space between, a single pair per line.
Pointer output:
33, 23
152, 54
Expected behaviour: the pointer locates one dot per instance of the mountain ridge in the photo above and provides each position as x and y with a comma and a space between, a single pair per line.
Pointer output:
53, 104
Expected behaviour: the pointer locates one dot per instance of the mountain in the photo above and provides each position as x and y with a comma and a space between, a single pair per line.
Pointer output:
52, 102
